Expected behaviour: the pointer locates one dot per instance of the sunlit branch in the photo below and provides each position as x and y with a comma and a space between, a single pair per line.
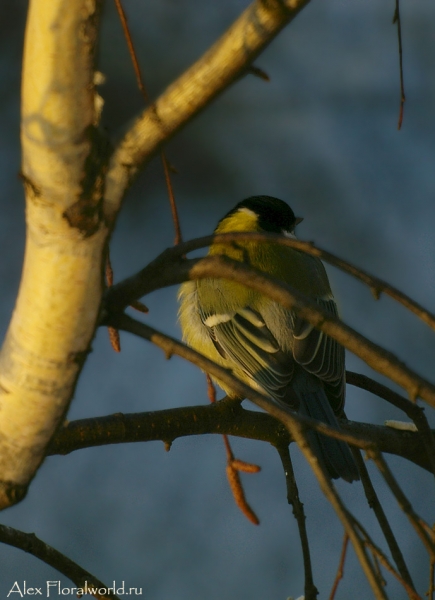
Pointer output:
162, 273
376, 285
228, 58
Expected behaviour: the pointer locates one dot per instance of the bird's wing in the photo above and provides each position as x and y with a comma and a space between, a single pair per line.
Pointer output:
320, 355
243, 338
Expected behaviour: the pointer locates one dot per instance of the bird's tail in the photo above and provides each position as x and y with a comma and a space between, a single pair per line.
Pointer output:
313, 402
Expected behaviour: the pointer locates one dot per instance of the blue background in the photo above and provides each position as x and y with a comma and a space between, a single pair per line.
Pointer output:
321, 135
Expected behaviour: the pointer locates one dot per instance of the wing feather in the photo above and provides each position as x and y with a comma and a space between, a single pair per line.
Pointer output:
321, 355
245, 340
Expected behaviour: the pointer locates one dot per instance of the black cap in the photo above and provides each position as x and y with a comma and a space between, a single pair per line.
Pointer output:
274, 215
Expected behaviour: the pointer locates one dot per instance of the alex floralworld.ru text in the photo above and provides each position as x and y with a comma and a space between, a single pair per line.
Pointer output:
55, 588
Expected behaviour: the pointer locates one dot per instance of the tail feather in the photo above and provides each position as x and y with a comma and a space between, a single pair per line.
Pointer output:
313, 402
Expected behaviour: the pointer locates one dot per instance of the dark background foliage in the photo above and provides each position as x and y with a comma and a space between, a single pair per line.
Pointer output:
321, 135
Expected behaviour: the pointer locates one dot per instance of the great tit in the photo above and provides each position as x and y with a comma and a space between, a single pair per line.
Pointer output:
264, 344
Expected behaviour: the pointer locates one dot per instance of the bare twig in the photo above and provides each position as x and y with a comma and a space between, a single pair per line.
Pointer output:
420, 526
310, 589
373, 502
114, 338
380, 556
85, 581
143, 90
340, 569
131, 49
174, 210
396, 19
430, 592
254, 70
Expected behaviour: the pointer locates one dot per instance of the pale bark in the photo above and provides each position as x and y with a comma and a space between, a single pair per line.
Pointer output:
64, 168
59, 298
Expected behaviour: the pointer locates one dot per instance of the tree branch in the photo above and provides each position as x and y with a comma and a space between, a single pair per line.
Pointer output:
85, 581
376, 285
375, 505
225, 417
310, 590
163, 272
60, 292
217, 69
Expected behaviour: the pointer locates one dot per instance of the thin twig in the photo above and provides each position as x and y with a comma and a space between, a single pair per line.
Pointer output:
225, 416
396, 19
144, 92
380, 556
258, 72
374, 503
310, 589
85, 581
114, 338
131, 50
419, 524
430, 592
340, 569
174, 210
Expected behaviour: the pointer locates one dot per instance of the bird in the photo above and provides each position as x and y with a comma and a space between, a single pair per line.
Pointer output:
266, 345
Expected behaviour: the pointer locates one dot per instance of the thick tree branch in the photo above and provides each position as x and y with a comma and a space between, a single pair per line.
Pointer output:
223, 417
60, 291
218, 68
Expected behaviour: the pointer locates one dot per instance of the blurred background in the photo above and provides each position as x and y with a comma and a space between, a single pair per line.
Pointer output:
322, 135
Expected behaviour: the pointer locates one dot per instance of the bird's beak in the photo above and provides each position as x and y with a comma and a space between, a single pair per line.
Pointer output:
298, 220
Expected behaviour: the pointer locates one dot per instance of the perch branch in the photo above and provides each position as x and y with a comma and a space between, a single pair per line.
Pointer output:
161, 273
376, 285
